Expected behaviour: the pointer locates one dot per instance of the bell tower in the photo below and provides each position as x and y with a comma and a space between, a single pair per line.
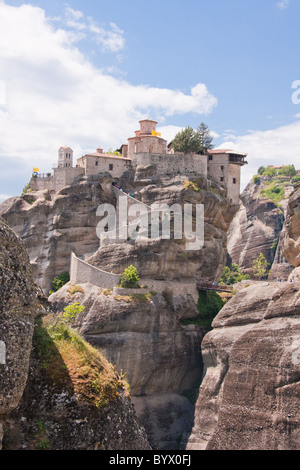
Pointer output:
65, 157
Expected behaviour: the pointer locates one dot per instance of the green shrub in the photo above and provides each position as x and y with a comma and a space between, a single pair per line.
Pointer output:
260, 267
232, 275
273, 192
130, 278
71, 311
26, 188
209, 305
59, 281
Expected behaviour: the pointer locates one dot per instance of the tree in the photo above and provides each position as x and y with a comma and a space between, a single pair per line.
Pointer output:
270, 171
261, 170
59, 281
71, 311
130, 277
233, 275
187, 141
260, 266
205, 136
288, 170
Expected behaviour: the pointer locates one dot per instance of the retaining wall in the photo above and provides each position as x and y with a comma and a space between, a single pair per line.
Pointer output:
82, 272
173, 163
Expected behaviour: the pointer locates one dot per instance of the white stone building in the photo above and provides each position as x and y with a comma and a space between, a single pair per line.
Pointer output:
147, 150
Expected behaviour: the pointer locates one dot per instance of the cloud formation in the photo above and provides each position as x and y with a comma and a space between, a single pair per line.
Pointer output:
54, 96
110, 40
283, 4
271, 147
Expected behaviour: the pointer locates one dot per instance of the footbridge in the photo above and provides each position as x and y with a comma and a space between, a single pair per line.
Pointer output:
206, 286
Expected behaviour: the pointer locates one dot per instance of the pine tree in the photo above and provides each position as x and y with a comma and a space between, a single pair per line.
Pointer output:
260, 266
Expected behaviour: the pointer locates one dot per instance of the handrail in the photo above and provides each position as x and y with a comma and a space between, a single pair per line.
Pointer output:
215, 287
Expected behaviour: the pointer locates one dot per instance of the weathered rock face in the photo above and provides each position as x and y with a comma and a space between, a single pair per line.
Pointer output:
39, 408
21, 301
52, 228
51, 416
291, 232
169, 259
254, 229
249, 398
145, 339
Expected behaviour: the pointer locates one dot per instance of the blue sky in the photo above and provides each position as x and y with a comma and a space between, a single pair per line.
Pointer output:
83, 73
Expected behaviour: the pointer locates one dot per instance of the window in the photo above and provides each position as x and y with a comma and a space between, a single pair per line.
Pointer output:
111, 167
234, 180
222, 178
222, 168
96, 162
210, 157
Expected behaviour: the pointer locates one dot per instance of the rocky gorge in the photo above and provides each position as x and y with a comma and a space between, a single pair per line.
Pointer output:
247, 366
257, 228
144, 336
53, 396
249, 398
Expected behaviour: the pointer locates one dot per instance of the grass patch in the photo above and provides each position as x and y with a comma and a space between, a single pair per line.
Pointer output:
74, 289
274, 191
192, 186
107, 291
139, 298
74, 364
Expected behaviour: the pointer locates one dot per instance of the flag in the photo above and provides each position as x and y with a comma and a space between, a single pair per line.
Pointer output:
156, 133
36, 170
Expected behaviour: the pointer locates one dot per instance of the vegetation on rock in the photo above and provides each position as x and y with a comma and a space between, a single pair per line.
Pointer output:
209, 304
69, 360
260, 266
130, 278
59, 281
232, 275
193, 141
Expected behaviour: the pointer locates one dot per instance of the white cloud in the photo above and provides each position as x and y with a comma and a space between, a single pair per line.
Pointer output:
55, 96
272, 147
110, 39
283, 4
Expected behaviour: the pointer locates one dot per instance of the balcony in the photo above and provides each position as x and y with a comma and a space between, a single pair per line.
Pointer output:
239, 159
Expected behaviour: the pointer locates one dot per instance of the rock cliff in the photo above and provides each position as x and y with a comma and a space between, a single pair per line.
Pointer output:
291, 232
51, 226
256, 228
143, 336
249, 398
46, 399
20, 303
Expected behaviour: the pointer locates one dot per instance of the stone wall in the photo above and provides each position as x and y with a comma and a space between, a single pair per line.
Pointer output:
94, 165
172, 163
41, 184
82, 272
65, 176
62, 177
